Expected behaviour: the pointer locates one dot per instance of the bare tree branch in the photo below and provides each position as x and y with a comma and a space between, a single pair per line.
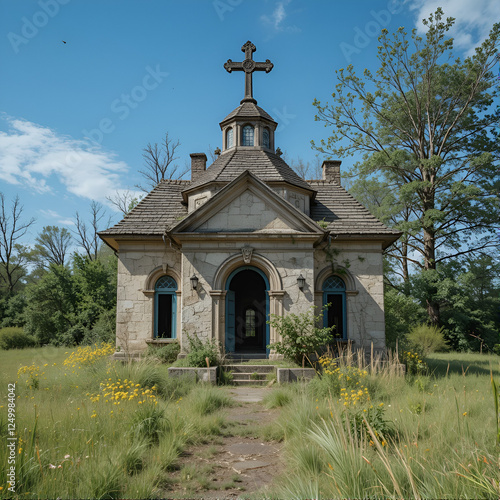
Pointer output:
159, 160
12, 229
86, 235
124, 201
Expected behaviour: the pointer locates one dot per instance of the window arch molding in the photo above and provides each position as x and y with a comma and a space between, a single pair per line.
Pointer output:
155, 275
342, 272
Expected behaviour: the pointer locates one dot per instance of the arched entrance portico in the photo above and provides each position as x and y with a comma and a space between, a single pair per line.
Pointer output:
247, 311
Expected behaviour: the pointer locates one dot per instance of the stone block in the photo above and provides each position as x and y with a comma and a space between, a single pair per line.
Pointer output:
284, 375
208, 375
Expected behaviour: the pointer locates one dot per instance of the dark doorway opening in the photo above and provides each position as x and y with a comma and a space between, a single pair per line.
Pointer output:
250, 299
336, 314
165, 311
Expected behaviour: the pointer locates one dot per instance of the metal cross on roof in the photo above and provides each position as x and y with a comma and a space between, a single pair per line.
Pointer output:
248, 66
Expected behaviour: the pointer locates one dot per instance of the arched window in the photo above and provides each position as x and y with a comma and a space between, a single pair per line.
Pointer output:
265, 138
229, 138
165, 308
335, 315
247, 136
250, 325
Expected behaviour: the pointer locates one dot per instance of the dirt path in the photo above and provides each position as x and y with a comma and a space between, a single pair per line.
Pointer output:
237, 464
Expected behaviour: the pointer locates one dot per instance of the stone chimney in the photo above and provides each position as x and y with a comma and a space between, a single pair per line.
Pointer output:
331, 170
198, 165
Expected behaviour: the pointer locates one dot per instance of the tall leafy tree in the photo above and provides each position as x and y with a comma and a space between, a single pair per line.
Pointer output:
52, 245
427, 120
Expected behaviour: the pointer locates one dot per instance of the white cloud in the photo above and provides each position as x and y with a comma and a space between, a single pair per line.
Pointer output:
34, 155
473, 19
277, 18
52, 214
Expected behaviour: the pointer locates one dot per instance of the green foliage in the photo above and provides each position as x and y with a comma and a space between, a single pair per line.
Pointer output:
12, 310
165, 353
52, 245
15, 338
149, 422
68, 308
401, 313
51, 305
278, 398
206, 400
104, 329
300, 335
200, 350
415, 365
426, 123
467, 293
426, 339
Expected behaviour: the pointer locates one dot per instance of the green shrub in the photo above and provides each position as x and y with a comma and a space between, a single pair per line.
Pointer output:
165, 353
199, 351
15, 338
104, 329
426, 339
299, 334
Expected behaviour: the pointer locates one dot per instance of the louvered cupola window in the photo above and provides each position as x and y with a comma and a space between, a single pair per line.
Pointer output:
265, 138
247, 136
229, 138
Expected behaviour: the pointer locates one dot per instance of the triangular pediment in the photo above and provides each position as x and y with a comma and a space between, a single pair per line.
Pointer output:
247, 205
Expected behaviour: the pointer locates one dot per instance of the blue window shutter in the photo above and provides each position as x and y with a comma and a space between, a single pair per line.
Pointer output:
174, 315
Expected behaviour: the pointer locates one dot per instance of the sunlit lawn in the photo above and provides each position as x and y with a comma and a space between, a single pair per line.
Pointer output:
93, 428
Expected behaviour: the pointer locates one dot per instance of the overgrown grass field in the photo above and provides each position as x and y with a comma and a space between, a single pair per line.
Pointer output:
358, 435
90, 428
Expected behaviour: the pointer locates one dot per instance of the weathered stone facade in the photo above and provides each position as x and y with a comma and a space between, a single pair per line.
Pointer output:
187, 248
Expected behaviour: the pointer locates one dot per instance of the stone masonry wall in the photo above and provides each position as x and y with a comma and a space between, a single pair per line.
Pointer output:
134, 314
365, 309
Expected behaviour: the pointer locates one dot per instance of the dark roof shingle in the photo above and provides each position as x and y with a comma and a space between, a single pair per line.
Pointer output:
248, 110
267, 166
343, 213
158, 210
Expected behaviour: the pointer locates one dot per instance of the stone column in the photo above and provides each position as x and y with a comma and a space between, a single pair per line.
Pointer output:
275, 307
256, 138
237, 132
219, 315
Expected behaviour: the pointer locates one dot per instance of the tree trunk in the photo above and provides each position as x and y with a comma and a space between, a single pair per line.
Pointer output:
430, 265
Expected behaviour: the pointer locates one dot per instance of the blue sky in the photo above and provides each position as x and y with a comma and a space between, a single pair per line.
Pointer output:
76, 116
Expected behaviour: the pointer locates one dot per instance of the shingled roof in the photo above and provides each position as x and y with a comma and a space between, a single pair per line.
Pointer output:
267, 166
160, 209
248, 110
345, 215
163, 208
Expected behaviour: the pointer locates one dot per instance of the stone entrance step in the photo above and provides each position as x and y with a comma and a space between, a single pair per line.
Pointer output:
246, 374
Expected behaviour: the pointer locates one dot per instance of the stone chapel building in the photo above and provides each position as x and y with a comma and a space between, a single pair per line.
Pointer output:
246, 237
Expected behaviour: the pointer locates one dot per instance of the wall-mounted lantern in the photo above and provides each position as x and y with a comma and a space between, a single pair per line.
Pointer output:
194, 282
301, 281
